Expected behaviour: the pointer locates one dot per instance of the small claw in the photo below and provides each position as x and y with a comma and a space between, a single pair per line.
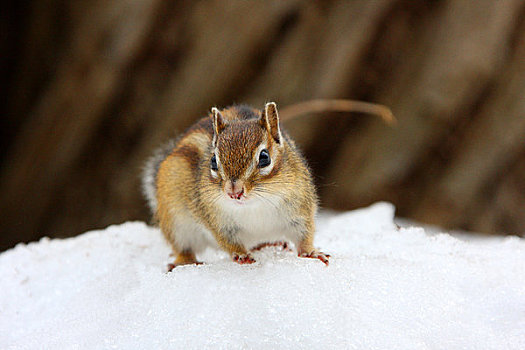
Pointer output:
171, 267
243, 259
286, 247
323, 258
316, 255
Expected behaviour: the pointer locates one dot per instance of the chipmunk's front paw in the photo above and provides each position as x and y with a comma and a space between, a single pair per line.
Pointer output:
243, 258
315, 254
282, 244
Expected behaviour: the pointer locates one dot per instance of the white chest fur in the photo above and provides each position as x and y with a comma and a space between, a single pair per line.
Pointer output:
258, 220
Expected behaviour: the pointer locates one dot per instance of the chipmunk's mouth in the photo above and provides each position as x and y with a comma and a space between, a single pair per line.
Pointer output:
238, 199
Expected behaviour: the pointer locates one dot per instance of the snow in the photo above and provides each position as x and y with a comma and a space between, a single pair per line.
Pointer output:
385, 288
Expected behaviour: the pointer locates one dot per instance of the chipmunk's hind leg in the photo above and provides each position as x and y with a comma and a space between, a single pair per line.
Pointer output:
186, 257
186, 236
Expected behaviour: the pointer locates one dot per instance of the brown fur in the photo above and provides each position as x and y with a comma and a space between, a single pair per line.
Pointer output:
186, 188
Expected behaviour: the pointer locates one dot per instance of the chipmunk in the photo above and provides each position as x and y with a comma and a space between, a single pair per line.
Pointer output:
234, 180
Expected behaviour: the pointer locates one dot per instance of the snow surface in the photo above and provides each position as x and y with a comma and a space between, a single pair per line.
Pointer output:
385, 288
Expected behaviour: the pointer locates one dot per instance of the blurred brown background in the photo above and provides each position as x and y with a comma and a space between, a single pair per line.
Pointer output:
91, 87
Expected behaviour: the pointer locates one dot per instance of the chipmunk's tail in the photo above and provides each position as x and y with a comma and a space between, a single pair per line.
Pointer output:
149, 174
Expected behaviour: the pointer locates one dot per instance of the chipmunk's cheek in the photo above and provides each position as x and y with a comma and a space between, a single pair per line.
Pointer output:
214, 180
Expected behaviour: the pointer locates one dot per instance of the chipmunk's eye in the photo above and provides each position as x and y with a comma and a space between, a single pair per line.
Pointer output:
213, 163
264, 158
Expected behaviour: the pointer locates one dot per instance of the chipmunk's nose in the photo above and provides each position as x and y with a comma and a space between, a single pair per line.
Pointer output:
234, 188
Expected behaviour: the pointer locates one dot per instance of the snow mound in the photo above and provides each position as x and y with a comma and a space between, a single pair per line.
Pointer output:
385, 288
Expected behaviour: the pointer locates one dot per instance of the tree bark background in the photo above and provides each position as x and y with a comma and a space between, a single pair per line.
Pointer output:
90, 88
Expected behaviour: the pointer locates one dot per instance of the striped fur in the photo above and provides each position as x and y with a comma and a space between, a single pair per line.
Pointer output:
190, 200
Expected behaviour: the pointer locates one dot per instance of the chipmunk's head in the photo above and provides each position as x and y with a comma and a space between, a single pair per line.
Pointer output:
246, 150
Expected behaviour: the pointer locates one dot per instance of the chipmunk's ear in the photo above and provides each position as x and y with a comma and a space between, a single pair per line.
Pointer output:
218, 121
218, 124
270, 121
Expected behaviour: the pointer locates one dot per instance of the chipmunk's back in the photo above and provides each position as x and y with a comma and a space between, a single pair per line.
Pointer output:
197, 137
